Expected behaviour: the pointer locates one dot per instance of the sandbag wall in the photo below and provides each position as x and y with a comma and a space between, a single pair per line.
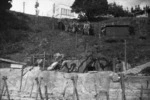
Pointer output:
89, 85
140, 25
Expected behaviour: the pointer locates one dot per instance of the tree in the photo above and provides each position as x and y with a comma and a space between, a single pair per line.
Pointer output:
146, 8
116, 10
5, 5
90, 8
132, 9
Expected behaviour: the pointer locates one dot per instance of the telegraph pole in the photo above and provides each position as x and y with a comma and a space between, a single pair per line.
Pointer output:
76, 43
24, 4
125, 53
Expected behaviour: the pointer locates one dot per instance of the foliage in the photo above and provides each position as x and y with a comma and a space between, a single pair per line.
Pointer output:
5, 5
136, 9
117, 10
13, 29
14, 21
90, 8
36, 5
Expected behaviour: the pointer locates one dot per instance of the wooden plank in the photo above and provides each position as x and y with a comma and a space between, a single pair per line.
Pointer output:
145, 91
138, 78
16, 66
11, 61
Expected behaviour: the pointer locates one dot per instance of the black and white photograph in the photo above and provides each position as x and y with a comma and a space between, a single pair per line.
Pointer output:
74, 49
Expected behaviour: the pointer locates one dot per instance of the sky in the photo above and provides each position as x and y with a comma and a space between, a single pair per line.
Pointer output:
46, 6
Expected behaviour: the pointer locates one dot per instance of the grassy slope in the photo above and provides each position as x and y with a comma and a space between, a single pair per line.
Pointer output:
42, 37
137, 50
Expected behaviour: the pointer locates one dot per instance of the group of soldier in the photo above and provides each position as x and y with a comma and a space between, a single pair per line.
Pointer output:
76, 27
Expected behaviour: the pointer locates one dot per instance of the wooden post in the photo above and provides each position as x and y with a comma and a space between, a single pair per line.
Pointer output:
99, 33
5, 83
31, 89
97, 94
36, 79
33, 60
21, 78
114, 65
2, 91
122, 86
38, 89
141, 94
44, 61
125, 54
76, 43
75, 92
46, 93
86, 47
107, 95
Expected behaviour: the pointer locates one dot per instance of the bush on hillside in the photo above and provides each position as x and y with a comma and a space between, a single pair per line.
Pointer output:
10, 49
5, 5
13, 29
14, 21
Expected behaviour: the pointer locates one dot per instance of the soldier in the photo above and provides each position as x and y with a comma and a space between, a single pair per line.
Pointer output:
70, 27
86, 28
73, 27
58, 59
80, 28
118, 65
103, 31
66, 26
122, 66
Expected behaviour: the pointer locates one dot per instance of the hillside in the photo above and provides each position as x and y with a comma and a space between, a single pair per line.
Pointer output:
28, 35
41, 35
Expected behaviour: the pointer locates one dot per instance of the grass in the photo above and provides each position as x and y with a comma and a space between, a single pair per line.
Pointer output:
32, 35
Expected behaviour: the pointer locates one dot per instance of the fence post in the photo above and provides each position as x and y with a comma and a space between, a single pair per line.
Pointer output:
44, 61
5, 83
21, 78
114, 65
31, 89
122, 86
125, 54
75, 92
46, 92
33, 60
141, 95
2, 91
38, 88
